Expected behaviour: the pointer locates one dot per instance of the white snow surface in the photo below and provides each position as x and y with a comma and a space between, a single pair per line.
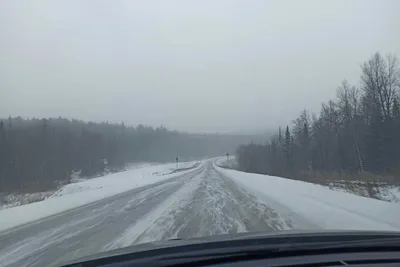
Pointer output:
18, 199
325, 208
87, 191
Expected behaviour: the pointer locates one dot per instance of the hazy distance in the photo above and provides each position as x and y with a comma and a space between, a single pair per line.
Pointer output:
197, 66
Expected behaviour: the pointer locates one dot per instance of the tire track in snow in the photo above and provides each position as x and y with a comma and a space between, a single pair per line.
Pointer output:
155, 224
85, 230
220, 206
208, 204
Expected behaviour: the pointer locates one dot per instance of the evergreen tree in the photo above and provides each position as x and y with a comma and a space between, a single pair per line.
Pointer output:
287, 147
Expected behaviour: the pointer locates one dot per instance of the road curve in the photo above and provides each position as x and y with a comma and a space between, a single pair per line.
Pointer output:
199, 203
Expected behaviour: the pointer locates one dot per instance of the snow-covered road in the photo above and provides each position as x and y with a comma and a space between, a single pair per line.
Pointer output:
199, 203
206, 200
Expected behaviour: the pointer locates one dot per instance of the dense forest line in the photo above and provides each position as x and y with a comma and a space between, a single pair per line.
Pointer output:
36, 154
355, 133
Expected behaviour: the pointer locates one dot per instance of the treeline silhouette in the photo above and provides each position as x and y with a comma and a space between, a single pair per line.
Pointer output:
36, 154
357, 132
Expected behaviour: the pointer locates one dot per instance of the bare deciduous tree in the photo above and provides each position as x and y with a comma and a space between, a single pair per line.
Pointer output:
380, 80
358, 131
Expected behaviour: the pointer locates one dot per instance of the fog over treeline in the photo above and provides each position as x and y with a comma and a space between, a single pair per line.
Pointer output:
197, 66
37, 154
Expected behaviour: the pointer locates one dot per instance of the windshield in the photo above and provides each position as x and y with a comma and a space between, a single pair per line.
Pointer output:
125, 122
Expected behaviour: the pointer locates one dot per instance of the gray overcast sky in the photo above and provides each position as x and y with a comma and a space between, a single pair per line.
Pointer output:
200, 66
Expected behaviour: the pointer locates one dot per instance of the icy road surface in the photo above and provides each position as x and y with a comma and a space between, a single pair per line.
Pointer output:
199, 203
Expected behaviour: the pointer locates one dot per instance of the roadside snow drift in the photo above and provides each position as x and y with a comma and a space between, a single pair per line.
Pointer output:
325, 208
85, 192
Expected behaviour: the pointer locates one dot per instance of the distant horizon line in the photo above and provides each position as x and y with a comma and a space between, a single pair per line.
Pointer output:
238, 132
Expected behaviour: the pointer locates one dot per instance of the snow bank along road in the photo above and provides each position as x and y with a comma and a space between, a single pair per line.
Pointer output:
205, 201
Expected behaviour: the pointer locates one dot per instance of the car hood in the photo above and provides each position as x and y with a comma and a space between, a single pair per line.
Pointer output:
228, 237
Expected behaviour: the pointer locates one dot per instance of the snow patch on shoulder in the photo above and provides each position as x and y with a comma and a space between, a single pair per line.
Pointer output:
127, 179
82, 193
74, 188
319, 205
